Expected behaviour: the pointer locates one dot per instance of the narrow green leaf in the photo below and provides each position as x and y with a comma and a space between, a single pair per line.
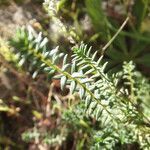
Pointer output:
65, 67
98, 112
88, 101
99, 60
72, 87
104, 66
57, 76
89, 71
77, 75
65, 59
63, 82
86, 80
34, 75
85, 49
54, 51
81, 92
93, 105
73, 67
94, 55
39, 38
89, 52
44, 42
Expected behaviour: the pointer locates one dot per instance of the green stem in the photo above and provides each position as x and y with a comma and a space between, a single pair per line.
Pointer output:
50, 64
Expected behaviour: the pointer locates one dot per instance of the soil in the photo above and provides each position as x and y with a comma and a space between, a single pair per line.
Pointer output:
14, 15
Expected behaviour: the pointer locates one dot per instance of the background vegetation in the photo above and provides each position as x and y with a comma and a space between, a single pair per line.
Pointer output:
57, 92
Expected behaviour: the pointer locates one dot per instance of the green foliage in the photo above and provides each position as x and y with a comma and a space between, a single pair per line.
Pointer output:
143, 6
25, 42
132, 42
96, 13
118, 111
85, 105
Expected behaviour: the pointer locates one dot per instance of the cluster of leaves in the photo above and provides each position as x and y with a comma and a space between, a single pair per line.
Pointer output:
109, 111
118, 110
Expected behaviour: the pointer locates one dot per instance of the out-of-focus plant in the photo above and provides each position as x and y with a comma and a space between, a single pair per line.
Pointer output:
101, 20
133, 41
5, 50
